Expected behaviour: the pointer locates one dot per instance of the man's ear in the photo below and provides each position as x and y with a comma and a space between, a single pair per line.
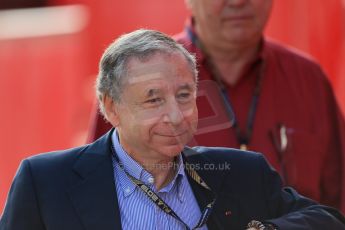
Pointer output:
110, 110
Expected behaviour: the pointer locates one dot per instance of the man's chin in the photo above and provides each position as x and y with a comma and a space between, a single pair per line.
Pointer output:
172, 150
172, 146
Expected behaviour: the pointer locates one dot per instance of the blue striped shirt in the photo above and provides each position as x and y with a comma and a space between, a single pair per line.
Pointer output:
137, 211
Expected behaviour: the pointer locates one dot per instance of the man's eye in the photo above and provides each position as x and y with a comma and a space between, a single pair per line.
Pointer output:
184, 96
154, 100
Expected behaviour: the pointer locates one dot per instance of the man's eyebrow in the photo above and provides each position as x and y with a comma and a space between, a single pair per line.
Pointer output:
152, 92
187, 86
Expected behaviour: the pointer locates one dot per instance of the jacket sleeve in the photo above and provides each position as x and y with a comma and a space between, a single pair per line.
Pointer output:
290, 210
22, 209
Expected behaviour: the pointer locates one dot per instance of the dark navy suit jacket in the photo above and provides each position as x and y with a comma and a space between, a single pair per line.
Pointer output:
74, 190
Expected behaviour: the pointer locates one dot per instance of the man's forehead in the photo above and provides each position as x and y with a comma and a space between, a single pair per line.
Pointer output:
149, 71
158, 68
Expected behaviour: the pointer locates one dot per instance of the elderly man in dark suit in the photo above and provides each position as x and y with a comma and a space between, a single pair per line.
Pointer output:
141, 175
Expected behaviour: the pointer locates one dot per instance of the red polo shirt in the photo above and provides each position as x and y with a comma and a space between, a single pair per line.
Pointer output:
295, 99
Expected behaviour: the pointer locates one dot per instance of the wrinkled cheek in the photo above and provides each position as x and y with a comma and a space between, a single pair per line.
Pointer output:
191, 115
189, 111
149, 117
218, 6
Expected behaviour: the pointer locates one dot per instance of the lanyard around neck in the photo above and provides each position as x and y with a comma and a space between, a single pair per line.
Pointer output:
159, 202
243, 137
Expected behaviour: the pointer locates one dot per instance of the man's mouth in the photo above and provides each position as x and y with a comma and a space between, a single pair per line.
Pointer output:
175, 134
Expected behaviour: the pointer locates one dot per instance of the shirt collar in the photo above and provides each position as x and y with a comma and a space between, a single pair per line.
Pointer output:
136, 170
129, 164
180, 174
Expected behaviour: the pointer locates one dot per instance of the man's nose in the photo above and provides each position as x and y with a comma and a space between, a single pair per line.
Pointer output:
173, 113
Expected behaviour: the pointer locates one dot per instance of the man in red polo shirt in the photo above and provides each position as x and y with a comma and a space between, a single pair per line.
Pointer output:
256, 94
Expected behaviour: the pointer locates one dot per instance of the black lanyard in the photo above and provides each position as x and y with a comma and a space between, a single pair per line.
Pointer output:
243, 137
159, 202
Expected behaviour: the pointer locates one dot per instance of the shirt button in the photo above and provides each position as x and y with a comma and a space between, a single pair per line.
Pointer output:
180, 196
151, 180
127, 190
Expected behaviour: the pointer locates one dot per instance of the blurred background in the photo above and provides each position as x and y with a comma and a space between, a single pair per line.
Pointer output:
49, 53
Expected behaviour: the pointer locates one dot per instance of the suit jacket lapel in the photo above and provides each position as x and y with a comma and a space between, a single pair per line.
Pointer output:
93, 192
213, 178
225, 212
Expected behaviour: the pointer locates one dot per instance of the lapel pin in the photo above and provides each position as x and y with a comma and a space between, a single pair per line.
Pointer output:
228, 213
